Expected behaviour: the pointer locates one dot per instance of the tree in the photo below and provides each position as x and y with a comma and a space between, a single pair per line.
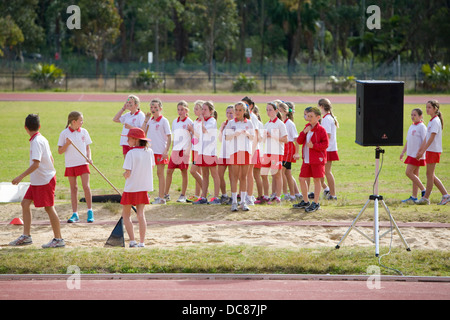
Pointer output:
10, 33
100, 24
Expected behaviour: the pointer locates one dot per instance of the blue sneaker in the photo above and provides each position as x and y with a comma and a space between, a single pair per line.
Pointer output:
90, 216
201, 200
410, 199
73, 218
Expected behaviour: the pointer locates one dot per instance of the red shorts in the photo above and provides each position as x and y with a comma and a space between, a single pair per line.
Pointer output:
256, 160
312, 170
206, 161
415, 162
240, 158
432, 157
134, 198
178, 160
42, 196
77, 171
289, 151
332, 156
125, 149
273, 161
159, 159
194, 156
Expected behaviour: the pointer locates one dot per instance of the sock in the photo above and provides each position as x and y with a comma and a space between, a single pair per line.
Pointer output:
243, 196
234, 197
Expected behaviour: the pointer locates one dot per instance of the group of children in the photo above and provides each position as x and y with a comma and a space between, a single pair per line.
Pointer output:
249, 149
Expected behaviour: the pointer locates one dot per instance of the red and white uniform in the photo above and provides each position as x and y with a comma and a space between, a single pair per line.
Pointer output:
289, 148
133, 119
273, 149
414, 139
140, 161
435, 126
181, 144
157, 130
330, 127
208, 143
240, 147
81, 139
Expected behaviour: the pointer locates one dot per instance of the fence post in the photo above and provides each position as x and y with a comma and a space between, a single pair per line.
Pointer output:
13, 81
265, 82
67, 81
115, 81
314, 83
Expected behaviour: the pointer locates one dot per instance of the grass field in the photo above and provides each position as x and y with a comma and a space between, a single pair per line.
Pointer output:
354, 180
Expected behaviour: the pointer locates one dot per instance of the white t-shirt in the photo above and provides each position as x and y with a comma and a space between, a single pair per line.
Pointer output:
157, 130
291, 130
197, 135
141, 162
277, 130
414, 139
40, 150
133, 119
224, 152
181, 135
434, 126
241, 142
330, 127
208, 139
81, 139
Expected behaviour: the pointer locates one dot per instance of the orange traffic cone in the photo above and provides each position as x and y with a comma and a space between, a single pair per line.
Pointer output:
16, 221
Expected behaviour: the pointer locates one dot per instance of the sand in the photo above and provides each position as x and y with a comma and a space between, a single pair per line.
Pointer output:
175, 225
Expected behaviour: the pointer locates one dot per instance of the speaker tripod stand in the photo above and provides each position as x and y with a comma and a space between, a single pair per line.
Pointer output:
377, 199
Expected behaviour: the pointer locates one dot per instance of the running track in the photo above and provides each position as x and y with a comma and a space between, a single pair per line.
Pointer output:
226, 98
213, 287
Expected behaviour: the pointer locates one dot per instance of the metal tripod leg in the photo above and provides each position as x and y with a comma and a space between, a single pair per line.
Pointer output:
353, 225
391, 218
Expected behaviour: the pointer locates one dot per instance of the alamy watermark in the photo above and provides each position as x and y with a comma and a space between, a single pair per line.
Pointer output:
374, 280
74, 21
74, 280
374, 21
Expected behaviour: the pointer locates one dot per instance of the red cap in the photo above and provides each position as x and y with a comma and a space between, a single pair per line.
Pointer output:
136, 133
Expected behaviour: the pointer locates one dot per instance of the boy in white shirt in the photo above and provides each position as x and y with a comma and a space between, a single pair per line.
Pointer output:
42, 189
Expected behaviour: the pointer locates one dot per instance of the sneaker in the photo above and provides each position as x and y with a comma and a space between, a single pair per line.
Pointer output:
250, 200
301, 205
133, 244
422, 200
214, 201
201, 200
141, 245
313, 207
159, 200
73, 218
330, 197
299, 197
90, 216
410, 199
311, 195
423, 193
182, 199
275, 200
55, 243
23, 240
234, 207
167, 197
192, 199
262, 200
244, 206
326, 193
445, 200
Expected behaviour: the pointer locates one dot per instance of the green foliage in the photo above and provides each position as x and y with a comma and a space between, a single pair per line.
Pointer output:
149, 80
244, 83
44, 75
341, 84
436, 78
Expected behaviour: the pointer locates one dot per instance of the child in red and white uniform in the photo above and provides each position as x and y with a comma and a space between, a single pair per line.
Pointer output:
290, 149
157, 128
138, 165
76, 164
195, 129
240, 133
329, 123
432, 145
181, 149
275, 136
417, 133
42, 185
314, 139
223, 158
134, 118
207, 159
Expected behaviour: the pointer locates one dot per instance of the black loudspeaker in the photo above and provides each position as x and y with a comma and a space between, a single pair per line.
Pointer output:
379, 113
